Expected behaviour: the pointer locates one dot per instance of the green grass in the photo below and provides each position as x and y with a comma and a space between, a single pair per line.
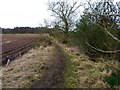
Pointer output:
70, 78
81, 72
69, 75
112, 80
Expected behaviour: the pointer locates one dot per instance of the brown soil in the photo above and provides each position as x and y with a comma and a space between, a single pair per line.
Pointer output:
54, 76
14, 45
13, 41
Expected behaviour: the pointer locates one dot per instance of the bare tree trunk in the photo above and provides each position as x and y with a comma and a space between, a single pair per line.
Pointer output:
66, 32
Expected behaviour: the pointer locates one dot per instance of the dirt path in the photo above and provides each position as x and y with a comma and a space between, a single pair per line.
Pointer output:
54, 77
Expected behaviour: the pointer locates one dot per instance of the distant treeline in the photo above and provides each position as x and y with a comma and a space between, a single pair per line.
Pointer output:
23, 30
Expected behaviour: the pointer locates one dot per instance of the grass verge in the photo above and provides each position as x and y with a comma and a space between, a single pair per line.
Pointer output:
81, 72
70, 78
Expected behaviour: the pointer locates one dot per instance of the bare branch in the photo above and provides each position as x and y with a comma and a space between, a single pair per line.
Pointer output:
97, 13
73, 8
100, 50
115, 38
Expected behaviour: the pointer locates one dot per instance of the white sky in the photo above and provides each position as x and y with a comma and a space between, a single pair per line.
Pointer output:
24, 13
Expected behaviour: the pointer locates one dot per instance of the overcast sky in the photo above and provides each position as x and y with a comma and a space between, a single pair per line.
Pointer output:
24, 13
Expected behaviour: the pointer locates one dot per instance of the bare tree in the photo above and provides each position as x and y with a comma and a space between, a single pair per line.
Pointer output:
65, 13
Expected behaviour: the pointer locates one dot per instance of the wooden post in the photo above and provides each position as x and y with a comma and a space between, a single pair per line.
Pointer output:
8, 62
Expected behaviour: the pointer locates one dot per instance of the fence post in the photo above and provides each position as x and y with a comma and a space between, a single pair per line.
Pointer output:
8, 62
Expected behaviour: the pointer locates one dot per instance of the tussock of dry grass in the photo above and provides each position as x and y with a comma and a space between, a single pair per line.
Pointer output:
89, 74
30, 67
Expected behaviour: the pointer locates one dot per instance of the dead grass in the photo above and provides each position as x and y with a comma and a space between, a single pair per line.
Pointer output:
81, 72
30, 67
87, 73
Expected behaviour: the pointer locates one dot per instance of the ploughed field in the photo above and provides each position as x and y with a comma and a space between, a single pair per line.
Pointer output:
16, 44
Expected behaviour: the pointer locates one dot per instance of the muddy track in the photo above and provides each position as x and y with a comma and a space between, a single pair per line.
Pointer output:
54, 76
